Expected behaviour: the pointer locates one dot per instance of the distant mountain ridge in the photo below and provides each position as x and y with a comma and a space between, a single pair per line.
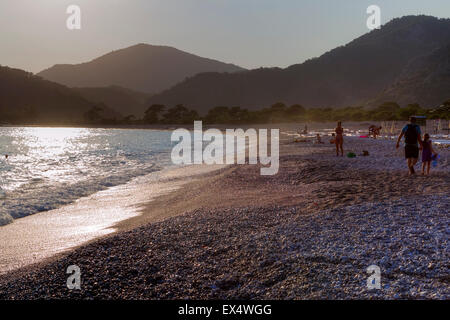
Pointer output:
406, 61
142, 67
26, 98
348, 75
425, 80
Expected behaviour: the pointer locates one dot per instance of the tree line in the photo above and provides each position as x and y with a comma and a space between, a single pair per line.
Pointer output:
280, 112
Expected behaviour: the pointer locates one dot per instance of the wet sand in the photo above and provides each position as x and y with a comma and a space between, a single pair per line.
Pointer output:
40, 236
308, 232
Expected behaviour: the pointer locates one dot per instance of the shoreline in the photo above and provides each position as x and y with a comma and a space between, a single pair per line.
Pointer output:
284, 125
306, 233
46, 235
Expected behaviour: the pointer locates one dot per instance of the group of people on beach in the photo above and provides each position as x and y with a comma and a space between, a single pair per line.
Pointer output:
413, 144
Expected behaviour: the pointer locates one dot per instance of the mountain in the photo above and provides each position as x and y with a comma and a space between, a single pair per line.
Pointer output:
349, 75
425, 80
122, 100
141, 67
28, 98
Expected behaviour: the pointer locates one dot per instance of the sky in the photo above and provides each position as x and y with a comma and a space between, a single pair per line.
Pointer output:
249, 33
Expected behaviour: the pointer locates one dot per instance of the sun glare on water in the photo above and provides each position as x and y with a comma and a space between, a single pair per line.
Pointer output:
47, 149
54, 141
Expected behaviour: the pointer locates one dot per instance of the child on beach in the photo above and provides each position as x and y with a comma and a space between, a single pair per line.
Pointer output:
333, 137
319, 139
427, 152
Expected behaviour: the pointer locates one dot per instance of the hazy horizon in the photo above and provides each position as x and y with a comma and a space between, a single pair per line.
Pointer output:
248, 33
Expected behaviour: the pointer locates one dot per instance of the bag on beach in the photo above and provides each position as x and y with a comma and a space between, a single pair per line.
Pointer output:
435, 159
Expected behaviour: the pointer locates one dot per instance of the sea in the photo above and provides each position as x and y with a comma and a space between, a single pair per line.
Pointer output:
47, 168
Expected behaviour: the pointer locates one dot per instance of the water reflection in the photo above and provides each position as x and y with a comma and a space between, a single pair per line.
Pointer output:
50, 167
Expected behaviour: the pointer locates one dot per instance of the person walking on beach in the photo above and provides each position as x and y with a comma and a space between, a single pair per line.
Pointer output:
339, 140
427, 153
412, 135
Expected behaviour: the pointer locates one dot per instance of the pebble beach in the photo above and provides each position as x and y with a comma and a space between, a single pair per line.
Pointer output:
309, 232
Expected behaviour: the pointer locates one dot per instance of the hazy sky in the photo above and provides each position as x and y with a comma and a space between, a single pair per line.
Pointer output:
250, 33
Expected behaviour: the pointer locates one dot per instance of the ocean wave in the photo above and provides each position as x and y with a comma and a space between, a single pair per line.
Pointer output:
52, 167
5, 218
30, 200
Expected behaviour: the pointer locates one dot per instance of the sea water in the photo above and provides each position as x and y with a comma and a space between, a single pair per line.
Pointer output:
48, 168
